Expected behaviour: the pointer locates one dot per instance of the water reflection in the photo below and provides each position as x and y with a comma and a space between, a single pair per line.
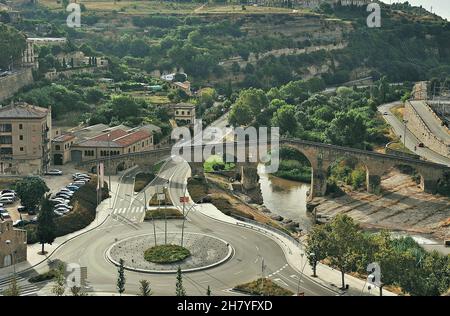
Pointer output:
286, 198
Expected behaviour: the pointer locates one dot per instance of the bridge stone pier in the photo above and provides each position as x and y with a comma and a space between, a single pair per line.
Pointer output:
321, 157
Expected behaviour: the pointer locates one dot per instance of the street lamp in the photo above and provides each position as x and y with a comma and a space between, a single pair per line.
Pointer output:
404, 134
109, 166
145, 210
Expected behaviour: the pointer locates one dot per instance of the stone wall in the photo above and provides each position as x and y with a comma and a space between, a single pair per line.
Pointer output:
11, 84
418, 127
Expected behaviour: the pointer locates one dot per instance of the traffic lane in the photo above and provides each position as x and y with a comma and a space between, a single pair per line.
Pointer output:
412, 143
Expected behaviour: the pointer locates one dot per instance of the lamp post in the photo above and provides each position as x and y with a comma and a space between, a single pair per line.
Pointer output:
404, 134
312, 254
145, 210
109, 167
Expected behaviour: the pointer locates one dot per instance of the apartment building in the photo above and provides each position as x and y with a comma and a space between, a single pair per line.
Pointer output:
24, 139
99, 141
184, 113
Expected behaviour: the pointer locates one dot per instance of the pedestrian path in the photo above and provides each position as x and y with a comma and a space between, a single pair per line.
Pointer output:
128, 210
25, 288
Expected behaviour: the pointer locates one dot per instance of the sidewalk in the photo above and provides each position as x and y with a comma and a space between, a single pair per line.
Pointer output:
327, 276
33, 258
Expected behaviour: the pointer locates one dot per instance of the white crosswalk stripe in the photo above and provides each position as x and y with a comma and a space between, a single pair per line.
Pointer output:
26, 289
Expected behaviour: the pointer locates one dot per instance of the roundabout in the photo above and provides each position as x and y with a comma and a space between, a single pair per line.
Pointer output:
199, 252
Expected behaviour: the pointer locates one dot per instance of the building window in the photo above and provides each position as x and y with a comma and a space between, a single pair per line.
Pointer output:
188, 112
6, 151
21, 148
57, 147
5, 127
20, 126
5, 139
20, 137
182, 112
142, 145
176, 112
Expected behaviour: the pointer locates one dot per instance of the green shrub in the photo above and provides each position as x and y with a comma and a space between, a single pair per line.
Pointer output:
166, 254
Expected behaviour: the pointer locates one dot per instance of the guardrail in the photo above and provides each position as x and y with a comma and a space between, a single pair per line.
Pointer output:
267, 227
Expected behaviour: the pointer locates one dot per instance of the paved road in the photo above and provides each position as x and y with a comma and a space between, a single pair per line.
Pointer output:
430, 120
411, 140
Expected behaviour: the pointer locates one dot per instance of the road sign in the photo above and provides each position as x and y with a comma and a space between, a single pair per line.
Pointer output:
184, 199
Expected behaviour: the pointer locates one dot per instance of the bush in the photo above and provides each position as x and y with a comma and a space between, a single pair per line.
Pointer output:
141, 180
49, 275
264, 287
159, 214
166, 254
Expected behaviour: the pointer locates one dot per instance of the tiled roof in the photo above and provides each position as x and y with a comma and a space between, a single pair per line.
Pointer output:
63, 138
132, 138
110, 136
22, 111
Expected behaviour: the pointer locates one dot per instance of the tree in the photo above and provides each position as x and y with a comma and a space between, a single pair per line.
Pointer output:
347, 129
179, 286
316, 246
342, 244
240, 114
145, 288
13, 289
284, 118
248, 106
208, 291
121, 277
12, 45
59, 287
31, 190
46, 227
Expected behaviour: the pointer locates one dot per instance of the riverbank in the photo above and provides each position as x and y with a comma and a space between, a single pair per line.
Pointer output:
402, 207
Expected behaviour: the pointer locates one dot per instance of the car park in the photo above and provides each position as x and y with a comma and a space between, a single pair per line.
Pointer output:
20, 223
80, 175
7, 191
58, 213
66, 192
21, 209
54, 172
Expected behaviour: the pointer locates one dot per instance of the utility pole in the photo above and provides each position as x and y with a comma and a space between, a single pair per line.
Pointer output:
262, 276
109, 168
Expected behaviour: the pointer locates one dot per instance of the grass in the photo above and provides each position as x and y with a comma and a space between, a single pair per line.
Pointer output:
398, 111
162, 213
400, 147
166, 254
264, 287
142, 179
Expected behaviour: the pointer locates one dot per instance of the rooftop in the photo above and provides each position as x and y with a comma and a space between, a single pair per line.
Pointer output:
184, 106
22, 111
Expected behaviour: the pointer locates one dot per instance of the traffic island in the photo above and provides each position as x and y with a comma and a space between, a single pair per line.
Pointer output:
263, 286
141, 254
166, 254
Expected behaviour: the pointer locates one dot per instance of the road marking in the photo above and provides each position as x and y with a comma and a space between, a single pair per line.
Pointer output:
26, 288
257, 248
294, 276
281, 281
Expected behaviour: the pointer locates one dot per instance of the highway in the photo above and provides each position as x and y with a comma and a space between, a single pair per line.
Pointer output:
411, 141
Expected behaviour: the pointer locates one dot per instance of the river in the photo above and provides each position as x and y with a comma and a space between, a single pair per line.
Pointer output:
286, 198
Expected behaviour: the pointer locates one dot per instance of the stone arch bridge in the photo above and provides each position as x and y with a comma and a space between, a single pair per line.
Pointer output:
321, 157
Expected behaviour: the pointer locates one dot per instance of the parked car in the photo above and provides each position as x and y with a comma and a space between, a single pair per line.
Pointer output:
58, 213
32, 211
80, 182
4, 214
6, 200
54, 172
66, 191
20, 223
9, 195
21, 209
61, 193
61, 210
60, 200
72, 188
34, 219
80, 175
7, 191
78, 185
62, 205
